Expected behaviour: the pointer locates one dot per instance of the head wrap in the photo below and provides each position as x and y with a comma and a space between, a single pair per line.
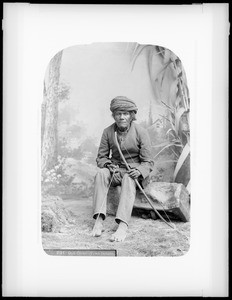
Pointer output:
122, 103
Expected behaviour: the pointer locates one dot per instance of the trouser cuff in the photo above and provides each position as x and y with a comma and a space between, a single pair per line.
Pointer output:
118, 220
99, 213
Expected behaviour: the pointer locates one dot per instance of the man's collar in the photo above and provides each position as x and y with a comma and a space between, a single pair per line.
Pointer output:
120, 131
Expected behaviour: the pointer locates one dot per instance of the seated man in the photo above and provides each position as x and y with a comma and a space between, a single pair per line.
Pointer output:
135, 146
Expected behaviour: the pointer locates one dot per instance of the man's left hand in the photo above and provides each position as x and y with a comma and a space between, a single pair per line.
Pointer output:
134, 173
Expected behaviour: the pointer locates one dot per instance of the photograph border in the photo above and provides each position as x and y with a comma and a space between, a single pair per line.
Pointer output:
27, 28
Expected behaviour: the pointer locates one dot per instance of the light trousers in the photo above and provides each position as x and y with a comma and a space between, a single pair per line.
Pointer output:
126, 199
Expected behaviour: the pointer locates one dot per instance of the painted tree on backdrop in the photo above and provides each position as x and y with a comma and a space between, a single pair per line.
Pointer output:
49, 116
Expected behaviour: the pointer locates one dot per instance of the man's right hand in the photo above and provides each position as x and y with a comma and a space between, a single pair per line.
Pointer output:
112, 167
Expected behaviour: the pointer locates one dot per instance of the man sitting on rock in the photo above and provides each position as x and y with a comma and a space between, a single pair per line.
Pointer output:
135, 146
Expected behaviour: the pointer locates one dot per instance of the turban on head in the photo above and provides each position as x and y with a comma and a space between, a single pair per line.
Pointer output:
123, 103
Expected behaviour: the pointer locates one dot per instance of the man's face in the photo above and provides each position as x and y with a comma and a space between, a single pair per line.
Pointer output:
122, 119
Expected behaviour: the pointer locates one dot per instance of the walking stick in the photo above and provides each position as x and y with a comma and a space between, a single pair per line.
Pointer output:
138, 184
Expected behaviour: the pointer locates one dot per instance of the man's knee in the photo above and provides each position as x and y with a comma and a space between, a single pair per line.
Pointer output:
128, 179
103, 173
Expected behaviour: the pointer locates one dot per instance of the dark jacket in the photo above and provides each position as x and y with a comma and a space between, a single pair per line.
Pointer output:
136, 149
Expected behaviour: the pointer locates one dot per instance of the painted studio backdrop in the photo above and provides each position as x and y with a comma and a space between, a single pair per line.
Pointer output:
79, 83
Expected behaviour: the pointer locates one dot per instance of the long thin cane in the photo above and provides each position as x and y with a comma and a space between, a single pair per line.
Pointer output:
139, 186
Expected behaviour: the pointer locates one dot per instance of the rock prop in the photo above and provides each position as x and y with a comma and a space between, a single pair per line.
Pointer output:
54, 215
173, 198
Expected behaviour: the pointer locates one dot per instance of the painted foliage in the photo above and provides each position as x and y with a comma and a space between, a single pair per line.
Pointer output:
79, 84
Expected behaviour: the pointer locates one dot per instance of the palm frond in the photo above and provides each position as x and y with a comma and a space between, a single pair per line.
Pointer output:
163, 71
171, 131
185, 152
169, 145
179, 113
188, 187
161, 144
168, 106
173, 92
177, 155
137, 51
